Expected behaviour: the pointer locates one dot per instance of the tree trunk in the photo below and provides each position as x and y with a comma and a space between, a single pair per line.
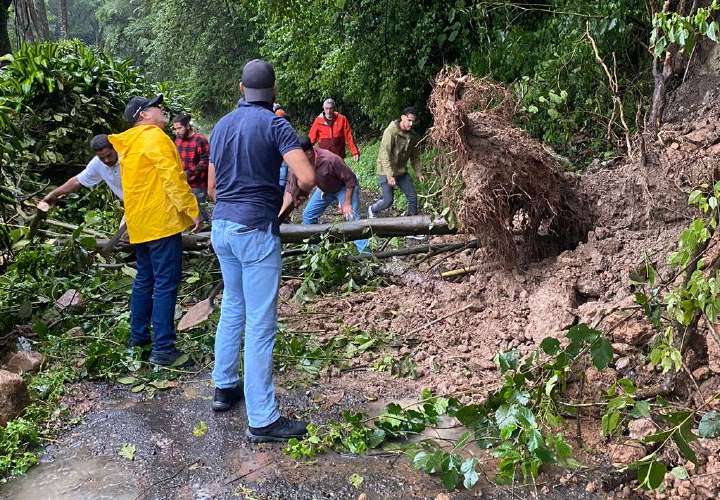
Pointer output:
5, 46
43, 25
296, 233
28, 21
661, 75
63, 18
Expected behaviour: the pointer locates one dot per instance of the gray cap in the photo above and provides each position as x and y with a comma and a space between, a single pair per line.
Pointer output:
258, 79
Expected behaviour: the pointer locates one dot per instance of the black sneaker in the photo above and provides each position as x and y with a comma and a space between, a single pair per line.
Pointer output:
280, 430
138, 343
166, 358
225, 398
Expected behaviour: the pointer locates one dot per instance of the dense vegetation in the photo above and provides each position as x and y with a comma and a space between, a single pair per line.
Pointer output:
322, 48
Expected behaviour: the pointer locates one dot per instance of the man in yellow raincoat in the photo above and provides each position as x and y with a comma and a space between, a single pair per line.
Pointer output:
159, 205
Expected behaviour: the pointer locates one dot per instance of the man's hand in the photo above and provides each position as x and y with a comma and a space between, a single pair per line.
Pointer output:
197, 221
50, 199
391, 181
346, 210
356, 157
420, 176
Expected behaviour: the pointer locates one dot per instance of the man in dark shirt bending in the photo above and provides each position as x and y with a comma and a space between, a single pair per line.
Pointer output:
336, 183
247, 147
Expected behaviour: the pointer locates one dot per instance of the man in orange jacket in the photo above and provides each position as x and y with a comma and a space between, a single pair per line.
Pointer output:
331, 131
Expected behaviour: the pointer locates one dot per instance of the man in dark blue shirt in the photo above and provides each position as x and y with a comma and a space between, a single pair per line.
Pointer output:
247, 147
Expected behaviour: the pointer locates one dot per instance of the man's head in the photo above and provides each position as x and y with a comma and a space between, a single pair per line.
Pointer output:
104, 150
143, 111
181, 125
258, 81
307, 148
329, 109
408, 118
278, 110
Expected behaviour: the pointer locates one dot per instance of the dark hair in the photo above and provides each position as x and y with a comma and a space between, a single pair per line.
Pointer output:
305, 143
100, 142
183, 119
410, 110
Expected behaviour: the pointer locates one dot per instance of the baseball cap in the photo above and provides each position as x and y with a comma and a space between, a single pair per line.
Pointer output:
138, 104
258, 79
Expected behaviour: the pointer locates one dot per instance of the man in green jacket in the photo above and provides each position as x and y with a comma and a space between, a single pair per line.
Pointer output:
399, 145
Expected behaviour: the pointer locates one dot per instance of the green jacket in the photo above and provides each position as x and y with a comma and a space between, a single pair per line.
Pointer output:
396, 149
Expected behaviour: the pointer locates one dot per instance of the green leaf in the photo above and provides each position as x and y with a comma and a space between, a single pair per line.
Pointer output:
181, 360
651, 475
640, 410
200, 429
712, 31
550, 346
684, 447
450, 479
356, 480
127, 451
127, 380
709, 426
506, 361
601, 353
680, 472
532, 109
470, 475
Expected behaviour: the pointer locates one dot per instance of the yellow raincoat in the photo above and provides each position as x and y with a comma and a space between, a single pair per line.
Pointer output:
158, 200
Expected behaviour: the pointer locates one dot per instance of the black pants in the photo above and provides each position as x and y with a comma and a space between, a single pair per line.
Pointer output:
405, 183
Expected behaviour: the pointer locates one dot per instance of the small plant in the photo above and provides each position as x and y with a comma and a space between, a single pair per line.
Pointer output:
327, 266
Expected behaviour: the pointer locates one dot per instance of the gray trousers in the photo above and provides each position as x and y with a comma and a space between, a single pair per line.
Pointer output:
405, 183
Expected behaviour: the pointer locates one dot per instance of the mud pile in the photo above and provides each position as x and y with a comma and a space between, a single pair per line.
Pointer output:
638, 204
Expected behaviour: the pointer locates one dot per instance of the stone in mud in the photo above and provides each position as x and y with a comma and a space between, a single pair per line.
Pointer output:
24, 362
551, 311
13, 396
641, 428
622, 453
70, 300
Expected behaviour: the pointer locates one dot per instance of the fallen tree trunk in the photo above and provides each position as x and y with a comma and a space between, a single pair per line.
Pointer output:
348, 231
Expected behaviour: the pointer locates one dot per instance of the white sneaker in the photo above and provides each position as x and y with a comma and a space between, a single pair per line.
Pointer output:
371, 215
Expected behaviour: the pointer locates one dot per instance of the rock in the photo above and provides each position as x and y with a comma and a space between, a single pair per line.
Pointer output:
674, 145
13, 396
622, 363
624, 454
551, 313
591, 487
442, 496
701, 374
24, 362
71, 300
641, 428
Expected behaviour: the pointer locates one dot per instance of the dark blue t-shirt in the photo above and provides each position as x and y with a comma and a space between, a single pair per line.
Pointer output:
246, 147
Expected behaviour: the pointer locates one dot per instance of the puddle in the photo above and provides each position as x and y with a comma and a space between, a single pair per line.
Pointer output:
73, 477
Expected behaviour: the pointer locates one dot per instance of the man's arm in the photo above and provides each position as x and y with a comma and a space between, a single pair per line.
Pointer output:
70, 186
314, 134
211, 181
300, 166
203, 149
350, 142
383, 159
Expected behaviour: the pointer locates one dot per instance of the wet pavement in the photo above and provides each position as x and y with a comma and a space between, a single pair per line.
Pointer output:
172, 463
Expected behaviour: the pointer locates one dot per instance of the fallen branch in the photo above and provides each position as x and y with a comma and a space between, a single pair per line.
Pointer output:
459, 272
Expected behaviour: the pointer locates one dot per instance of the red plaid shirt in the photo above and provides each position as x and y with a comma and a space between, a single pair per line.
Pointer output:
194, 152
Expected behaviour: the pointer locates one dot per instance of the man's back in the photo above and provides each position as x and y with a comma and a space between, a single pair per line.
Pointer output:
246, 148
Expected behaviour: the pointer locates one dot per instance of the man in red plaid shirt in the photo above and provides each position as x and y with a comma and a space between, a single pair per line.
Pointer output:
194, 152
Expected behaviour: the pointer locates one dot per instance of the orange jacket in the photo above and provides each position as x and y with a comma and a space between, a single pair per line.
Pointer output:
334, 136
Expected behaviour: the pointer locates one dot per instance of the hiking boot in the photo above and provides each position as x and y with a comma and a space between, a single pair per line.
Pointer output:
371, 214
166, 358
280, 430
225, 398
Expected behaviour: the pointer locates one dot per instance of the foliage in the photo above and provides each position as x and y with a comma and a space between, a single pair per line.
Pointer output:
672, 29
520, 421
310, 356
54, 97
328, 265
20, 437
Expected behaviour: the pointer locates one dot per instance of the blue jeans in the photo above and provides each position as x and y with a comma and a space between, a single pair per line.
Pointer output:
319, 201
250, 264
154, 292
